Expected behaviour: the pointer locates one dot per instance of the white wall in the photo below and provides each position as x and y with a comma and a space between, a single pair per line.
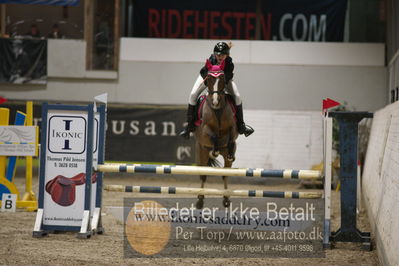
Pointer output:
270, 75
66, 58
275, 87
381, 183
282, 140
255, 52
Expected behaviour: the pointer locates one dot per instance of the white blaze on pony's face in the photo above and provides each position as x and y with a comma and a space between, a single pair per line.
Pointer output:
215, 96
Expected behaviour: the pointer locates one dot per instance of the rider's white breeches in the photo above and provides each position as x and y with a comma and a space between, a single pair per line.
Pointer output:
199, 87
233, 90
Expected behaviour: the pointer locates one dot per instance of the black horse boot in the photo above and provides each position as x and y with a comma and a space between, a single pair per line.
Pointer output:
190, 122
241, 127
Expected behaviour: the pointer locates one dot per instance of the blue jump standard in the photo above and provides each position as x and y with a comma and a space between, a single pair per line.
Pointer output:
348, 139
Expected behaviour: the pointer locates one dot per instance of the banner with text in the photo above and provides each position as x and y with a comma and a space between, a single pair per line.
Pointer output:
248, 228
286, 20
147, 135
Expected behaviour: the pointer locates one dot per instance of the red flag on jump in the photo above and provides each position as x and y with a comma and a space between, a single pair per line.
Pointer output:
2, 100
328, 103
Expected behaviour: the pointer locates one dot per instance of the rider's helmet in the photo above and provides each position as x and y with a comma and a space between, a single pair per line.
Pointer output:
221, 48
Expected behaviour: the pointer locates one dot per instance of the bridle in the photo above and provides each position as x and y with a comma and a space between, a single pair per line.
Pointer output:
219, 91
216, 75
216, 93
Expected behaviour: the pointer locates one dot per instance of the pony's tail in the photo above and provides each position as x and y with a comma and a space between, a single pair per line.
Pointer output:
214, 163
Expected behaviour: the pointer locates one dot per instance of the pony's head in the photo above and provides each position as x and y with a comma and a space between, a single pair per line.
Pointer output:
215, 81
215, 70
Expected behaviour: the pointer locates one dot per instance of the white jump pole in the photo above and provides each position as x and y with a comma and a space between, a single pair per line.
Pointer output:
214, 192
327, 133
209, 171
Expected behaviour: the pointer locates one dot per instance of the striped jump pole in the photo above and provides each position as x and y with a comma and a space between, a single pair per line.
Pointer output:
210, 171
214, 192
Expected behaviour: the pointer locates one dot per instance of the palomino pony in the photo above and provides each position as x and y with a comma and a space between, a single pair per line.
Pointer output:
217, 133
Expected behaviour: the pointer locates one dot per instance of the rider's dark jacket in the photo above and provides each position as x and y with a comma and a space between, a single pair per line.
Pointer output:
228, 68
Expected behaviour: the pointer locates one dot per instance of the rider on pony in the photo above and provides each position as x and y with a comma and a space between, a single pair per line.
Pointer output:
220, 52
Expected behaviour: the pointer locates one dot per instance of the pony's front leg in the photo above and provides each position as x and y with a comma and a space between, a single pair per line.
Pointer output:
215, 151
213, 139
231, 146
231, 151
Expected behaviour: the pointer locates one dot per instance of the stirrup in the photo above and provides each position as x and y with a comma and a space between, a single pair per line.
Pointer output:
248, 130
185, 134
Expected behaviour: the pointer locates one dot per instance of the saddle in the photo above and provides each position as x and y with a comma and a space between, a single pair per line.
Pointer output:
200, 105
62, 189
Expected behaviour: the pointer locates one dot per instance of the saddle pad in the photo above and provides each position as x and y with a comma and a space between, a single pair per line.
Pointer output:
200, 105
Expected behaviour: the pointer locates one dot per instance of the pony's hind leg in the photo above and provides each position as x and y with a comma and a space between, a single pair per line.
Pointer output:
227, 164
226, 199
202, 160
200, 202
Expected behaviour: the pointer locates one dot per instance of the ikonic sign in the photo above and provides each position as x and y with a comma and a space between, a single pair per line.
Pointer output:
67, 134
66, 153
68, 196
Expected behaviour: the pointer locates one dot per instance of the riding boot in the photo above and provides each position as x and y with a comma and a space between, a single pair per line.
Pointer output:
241, 127
190, 122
